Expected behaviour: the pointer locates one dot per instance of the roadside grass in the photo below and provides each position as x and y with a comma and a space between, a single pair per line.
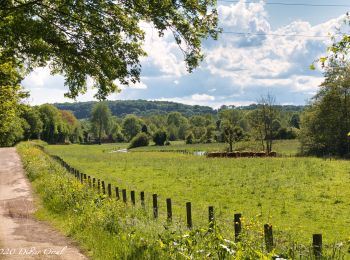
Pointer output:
298, 196
83, 214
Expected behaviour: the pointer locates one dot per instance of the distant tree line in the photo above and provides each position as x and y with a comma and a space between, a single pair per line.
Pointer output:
142, 108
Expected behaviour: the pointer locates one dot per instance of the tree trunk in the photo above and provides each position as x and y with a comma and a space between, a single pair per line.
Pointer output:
100, 132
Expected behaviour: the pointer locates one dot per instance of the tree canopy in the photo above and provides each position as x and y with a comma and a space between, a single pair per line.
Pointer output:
100, 39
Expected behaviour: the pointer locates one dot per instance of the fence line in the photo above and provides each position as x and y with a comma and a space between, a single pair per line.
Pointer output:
236, 221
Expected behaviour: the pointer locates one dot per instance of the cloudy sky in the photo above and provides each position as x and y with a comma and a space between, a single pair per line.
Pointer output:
238, 68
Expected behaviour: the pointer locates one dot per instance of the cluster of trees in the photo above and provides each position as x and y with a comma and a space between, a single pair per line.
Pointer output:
230, 125
44, 122
326, 122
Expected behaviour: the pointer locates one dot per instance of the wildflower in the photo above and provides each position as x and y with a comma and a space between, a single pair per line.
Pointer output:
230, 251
229, 241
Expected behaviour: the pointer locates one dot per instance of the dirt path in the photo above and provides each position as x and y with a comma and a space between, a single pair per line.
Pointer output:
21, 236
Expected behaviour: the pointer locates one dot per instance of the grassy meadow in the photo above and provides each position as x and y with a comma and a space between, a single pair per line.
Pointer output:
298, 196
106, 228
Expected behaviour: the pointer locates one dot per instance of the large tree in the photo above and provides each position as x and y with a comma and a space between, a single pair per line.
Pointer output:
131, 125
11, 95
326, 123
263, 121
230, 130
35, 125
101, 120
100, 39
53, 129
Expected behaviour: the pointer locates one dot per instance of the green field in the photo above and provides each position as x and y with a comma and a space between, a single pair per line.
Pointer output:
298, 196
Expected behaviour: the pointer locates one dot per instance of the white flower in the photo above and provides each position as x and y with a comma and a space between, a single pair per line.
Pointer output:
230, 251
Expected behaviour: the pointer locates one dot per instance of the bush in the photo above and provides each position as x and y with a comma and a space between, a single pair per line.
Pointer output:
141, 139
287, 133
189, 138
159, 137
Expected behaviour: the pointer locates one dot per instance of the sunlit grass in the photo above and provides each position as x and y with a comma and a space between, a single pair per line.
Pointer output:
298, 196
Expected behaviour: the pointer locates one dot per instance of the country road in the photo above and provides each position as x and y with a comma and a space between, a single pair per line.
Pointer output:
21, 236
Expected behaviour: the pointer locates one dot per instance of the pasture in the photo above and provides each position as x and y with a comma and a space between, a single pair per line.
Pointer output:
298, 196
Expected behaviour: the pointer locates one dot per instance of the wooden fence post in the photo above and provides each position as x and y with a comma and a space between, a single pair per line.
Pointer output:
268, 237
117, 193
85, 177
189, 215
238, 226
98, 185
132, 195
109, 188
155, 206
89, 181
211, 216
317, 245
93, 182
169, 210
124, 195
103, 187
142, 197
81, 177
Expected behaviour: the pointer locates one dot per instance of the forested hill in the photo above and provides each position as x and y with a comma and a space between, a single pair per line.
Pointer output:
121, 108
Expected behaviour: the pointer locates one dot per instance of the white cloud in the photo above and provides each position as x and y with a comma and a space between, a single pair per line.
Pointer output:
274, 60
195, 99
307, 84
244, 65
37, 78
163, 53
202, 97
205, 100
139, 85
242, 17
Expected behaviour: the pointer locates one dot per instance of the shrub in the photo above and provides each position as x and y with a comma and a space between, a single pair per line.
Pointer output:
159, 137
189, 138
141, 139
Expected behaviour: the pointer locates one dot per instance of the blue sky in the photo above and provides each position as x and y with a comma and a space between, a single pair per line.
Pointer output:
237, 69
